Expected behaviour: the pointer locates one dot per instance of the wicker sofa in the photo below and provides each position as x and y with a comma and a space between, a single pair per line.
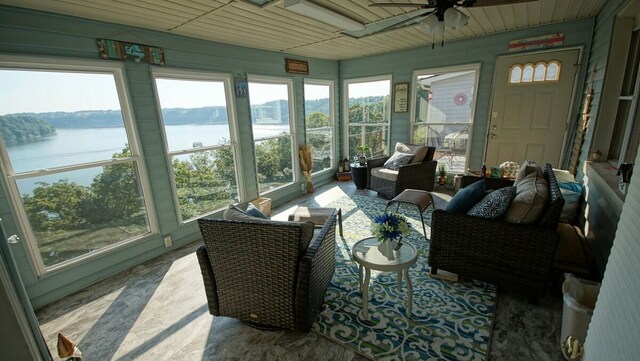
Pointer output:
420, 175
518, 256
260, 272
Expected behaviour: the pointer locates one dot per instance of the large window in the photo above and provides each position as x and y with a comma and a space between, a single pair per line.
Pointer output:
443, 113
368, 115
271, 104
71, 159
319, 125
200, 140
626, 132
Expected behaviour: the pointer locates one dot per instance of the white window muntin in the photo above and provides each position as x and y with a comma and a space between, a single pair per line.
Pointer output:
18, 62
178, 74
332, 123
475, 67
295, 167
345, 102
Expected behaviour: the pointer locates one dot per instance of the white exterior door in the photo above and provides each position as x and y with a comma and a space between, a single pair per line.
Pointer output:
530, 108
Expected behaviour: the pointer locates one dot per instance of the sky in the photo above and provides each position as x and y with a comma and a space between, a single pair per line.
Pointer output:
47, 91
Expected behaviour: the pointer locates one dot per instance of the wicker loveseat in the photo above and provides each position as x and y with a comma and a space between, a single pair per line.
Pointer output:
419, 174
519, 256
261, 272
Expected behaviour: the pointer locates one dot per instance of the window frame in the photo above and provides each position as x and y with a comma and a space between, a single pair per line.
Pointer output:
345, 106
57, 64
633, 98
295, 166
227, 80
332, 121
476, 67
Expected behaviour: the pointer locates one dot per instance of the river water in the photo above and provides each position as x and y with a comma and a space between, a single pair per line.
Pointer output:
83, 145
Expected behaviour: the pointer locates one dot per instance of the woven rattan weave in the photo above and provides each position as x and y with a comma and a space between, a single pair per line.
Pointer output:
492, 250
258, 271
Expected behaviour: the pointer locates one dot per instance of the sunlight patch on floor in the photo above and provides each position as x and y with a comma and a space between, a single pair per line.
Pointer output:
161, 323
324, 198
66, 324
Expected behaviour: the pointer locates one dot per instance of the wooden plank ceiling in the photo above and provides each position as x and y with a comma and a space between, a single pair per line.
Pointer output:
272, 27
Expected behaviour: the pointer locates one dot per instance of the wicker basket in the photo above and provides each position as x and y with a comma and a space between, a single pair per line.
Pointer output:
263, 204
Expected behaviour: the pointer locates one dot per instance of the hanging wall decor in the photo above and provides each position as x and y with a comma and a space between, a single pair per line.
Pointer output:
296, 66
581, 131
113, 49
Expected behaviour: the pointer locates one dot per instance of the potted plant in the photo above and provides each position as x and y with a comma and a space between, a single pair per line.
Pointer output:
442, 173
363, 149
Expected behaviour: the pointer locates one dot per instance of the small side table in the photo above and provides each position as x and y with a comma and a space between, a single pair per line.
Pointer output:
359, 175
366, 254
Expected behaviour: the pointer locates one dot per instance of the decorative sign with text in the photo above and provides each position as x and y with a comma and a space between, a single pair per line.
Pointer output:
536, 42
296, 66
113, 49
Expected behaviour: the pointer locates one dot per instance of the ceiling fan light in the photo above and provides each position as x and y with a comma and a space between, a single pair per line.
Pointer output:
455, 19
430, 21
439, 29
424, 28
464, 20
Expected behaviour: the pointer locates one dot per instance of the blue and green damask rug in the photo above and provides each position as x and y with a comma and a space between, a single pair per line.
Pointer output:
451, 320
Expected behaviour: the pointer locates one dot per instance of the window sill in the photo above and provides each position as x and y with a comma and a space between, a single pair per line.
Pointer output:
602, 175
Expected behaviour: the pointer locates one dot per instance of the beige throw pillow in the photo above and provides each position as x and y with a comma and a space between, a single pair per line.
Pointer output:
418, 151
527, 167
532, 196
233, 213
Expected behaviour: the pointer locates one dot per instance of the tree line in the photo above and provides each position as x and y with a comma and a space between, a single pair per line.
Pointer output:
17, 128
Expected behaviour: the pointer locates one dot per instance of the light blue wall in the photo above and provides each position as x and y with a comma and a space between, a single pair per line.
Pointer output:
40, 34
402, 64
27, 32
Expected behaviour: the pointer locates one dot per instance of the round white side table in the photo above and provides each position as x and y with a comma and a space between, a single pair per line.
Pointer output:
366, 254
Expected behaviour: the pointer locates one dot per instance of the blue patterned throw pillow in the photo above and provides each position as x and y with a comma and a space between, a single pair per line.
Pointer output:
397, 160
253, 211
494, 204
467, 197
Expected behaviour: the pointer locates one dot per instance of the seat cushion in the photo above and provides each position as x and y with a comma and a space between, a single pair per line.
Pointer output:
494, 204
467, 197
397, 160
532, 196
385, 173
233, 213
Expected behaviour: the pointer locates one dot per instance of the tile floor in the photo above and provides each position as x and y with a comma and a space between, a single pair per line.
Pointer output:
157, 311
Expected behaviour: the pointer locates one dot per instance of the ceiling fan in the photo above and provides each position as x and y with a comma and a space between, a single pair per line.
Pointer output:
436, 7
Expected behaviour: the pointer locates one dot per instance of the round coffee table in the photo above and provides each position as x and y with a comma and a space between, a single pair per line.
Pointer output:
366, 254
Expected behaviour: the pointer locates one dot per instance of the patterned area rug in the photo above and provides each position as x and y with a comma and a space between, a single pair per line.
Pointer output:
451, 320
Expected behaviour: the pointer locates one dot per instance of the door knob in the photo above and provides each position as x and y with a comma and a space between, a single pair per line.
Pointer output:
13, 239
493, 136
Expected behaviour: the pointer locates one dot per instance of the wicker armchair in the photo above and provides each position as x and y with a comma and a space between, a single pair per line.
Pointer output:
410, 176
495, 251
260, 273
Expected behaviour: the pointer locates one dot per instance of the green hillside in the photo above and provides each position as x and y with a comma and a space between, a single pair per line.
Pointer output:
17, 128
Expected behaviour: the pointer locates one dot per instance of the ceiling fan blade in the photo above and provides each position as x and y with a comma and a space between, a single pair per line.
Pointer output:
383, 5
390, 24
479, 3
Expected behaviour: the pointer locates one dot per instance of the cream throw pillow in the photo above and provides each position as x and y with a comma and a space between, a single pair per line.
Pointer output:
532, 196
418, 151
527, 167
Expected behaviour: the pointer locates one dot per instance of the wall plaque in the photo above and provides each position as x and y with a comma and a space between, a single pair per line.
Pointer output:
296, 66
113, 49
